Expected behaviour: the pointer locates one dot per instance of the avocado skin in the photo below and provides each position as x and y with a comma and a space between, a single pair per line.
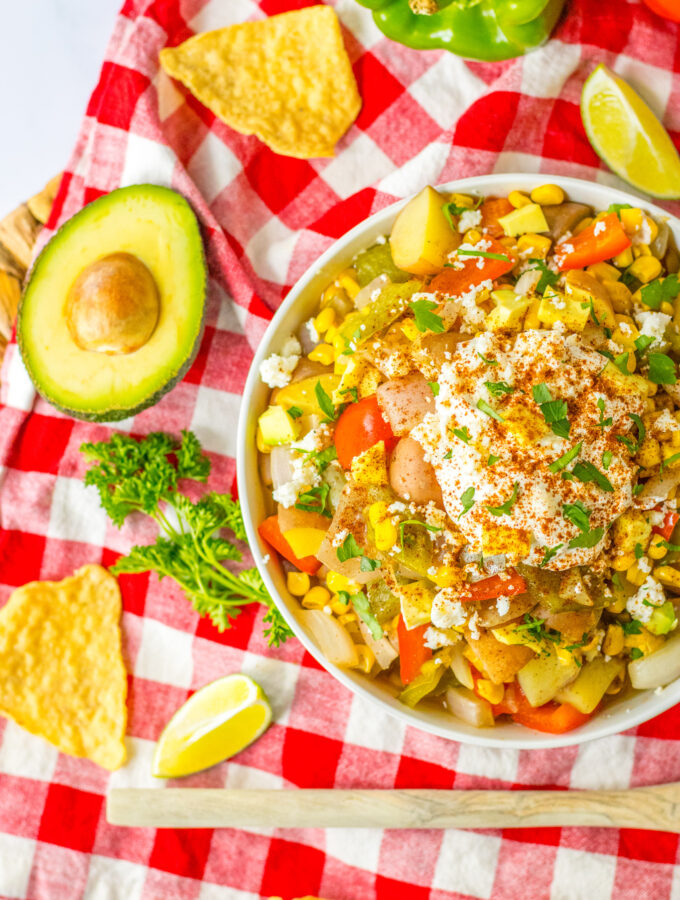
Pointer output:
117, 414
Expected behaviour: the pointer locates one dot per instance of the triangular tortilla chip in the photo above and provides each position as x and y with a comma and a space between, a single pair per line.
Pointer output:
62, 675
287, 79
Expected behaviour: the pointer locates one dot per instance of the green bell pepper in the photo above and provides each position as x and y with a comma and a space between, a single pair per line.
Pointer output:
488, 30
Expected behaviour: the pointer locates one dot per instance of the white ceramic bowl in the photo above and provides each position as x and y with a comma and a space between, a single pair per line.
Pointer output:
298, 306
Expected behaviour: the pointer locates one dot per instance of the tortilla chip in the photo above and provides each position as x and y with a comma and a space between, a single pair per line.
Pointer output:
63, 676
286, 79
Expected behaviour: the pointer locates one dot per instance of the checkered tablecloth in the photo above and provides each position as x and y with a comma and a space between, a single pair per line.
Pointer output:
426, 117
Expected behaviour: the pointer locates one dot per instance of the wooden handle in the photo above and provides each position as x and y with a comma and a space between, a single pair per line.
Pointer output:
650, 808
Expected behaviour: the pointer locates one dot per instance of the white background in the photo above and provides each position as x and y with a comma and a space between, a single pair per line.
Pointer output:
49, 64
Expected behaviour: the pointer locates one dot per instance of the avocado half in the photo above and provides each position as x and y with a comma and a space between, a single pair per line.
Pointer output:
157, 228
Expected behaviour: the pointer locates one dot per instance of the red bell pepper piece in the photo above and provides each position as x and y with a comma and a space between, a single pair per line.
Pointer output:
359, 427
506, 585
493, 209
412, 650
666, 528
474, 270
599, 241
551, 718
270, 532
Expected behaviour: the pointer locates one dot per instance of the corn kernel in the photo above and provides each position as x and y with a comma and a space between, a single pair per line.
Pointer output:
348, 618
377, 512
649, 454
668, 576
636, 575
463, 200
347, 281
490, 691
408, 326
616, 685
604, 272
324, 354
642, 250
339, 607
631, 363
472, 236
331, 334
617, 606
531, 320
667, 308
324, 320
656, 549
316, 598
518, 199
619, 294
613, 642
446, 576
337, 582
366, 658
582, 225
547, 194
297, 583
624, 259
646, 269
631, 219
259, 441
623, 562
385, 535
536, 245
653, 229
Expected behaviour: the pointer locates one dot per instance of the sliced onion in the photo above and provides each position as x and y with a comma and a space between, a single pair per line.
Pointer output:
363, 298
660, 243
331, 637
384, 652
527, 281
658, 487
307, 342
281, 465
461, 667
658, 668
265, 466
474, 710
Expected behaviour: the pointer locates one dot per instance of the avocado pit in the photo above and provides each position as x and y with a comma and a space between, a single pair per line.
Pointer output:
113, 305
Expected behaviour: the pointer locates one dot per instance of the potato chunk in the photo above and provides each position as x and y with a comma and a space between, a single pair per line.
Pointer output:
421, 237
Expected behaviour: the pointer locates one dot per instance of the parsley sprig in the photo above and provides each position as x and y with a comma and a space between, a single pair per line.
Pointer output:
143, 476
628, 442
657, 292
548, 277
425, 318
506, 508
554, 411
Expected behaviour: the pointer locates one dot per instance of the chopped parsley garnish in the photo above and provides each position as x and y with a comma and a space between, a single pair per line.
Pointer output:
448, 455
578, 515
603, 423
498, 388
550, 552
463, 434
425, 318
642, 343
554, 411
294, 412
505, 508
673, 548
631, 446
638, 552
492, 459
661, 369
587, 540
536, 628
485, 408
349, 549
484, 254
489, 362
315, 500
363, 609
587, 472
668, 462
565, 459
467, 498
320, 458
325, 402
452, 209
638, 489
632, 627
353, 394
636, 653
548, 277
434, 387
621, 363
402, 526
607, 459
657, 292
617, 207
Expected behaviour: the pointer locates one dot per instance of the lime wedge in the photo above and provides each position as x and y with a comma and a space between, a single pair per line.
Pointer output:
215, 723
627, 135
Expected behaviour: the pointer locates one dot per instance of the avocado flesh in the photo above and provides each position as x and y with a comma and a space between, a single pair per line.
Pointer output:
156, 225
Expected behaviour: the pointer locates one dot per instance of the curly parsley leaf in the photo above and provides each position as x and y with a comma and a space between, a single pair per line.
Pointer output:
425, 318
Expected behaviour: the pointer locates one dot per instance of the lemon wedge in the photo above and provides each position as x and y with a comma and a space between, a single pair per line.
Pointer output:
215, 723
627, 135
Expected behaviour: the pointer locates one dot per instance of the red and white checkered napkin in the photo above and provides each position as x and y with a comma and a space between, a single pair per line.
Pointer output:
426, 117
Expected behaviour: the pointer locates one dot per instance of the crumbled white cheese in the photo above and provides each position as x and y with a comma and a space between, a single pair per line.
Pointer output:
650, 592
435, 638
472, 625
469, 219
644, 565
652, 324
313, 333
599, 227
503, 605
447, 610
305, 476
276, 370
339, 537
286, 494
397, 507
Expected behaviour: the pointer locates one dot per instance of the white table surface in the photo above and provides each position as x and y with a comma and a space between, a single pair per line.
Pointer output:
49, 64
